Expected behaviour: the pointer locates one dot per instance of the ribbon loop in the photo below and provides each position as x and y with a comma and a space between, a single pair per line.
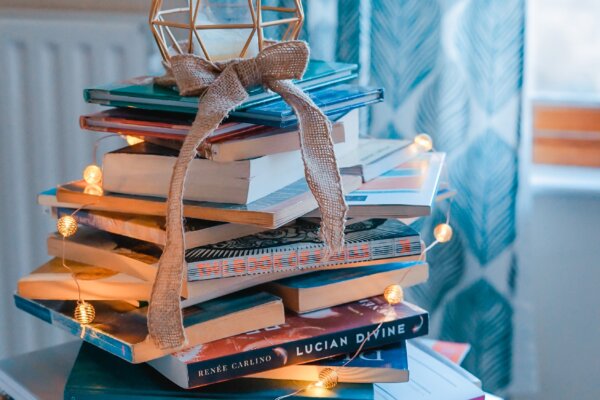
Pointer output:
222, 87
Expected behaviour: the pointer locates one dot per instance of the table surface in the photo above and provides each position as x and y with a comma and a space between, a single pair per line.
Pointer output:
42, 374
39, 375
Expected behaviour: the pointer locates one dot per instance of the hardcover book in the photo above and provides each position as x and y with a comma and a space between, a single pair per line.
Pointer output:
408, 190
302, 338
333, 102
324, 289
145, 169
120, 328
150, 228
97, 375
142, 93
294, 247
386, 364
272, 211
230, 142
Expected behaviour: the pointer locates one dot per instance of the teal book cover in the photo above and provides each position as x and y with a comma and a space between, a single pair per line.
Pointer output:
98, 375
142, 93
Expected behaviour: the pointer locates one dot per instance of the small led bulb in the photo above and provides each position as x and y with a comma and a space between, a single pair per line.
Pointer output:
84, 313
328, 378
394, 294
424, 142
66, 225
442, 233
92, 174
131, 140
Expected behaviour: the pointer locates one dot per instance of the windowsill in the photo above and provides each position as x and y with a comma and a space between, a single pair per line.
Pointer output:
562, 179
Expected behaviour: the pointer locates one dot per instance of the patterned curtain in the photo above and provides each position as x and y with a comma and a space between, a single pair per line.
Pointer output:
453, 69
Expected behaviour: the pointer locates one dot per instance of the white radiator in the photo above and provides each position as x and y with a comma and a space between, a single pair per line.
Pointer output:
46, 59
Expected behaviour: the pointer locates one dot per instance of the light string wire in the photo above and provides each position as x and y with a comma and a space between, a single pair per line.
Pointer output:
328, 377
67, 225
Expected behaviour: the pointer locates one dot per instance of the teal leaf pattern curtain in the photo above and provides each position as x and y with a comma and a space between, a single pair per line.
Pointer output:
453, 69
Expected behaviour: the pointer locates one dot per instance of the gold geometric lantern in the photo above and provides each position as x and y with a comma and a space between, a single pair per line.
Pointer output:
219, 30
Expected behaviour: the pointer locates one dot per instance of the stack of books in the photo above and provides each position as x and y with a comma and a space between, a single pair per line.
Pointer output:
263, 311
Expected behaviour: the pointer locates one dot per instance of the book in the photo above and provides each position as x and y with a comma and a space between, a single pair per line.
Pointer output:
120, 328
272, 211
332, 101
302, 338
408, 190
160, 124
142, 93
386, 364
97, 375
322, 289
151, 228
230, 142
296, 246
374, 157
52, 281
430, 379
102, 279
145, 169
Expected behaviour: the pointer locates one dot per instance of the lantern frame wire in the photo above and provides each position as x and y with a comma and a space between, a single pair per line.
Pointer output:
161, 27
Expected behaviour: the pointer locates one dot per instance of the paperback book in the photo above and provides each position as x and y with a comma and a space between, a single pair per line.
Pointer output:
386, 364
145, 169
322, 289
142, 93
52, 281
120, 328
150, 228
294, 247
98, 375
431, 378
374, 157
272, 211
408, 190
302, 338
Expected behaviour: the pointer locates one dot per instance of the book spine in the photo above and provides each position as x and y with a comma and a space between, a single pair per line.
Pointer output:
89, 334
307, 350
301, 258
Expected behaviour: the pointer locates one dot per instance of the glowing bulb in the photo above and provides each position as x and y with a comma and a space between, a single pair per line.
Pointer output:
424, 142
94, 190
66, 225
84, 313
442, 233
328, 378
131, 140
92, 174
394, 294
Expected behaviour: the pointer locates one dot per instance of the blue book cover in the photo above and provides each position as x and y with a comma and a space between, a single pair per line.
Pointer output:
142, 93
121, 328
333, 101
386, 364
97, 375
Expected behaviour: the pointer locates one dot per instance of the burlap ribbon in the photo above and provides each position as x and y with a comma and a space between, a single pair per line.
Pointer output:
222, 87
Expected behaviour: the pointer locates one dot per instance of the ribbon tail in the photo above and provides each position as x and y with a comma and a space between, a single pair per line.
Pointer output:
320, 165
165, 321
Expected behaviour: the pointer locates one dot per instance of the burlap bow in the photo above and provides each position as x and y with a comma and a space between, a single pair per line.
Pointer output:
222, 87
